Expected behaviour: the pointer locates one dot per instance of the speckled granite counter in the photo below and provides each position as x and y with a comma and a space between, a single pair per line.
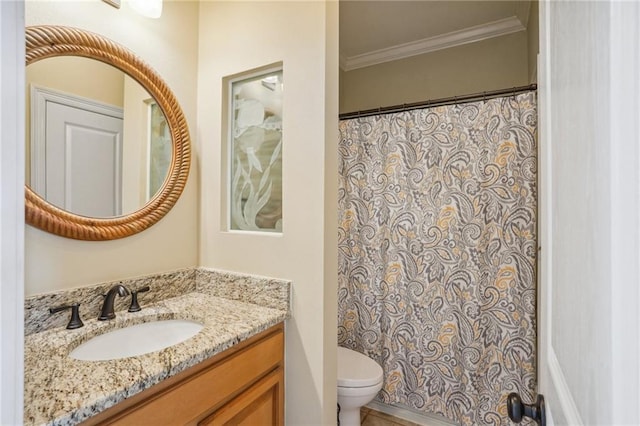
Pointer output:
62, 391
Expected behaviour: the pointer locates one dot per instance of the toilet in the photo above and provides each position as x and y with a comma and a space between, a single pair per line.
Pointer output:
359, 381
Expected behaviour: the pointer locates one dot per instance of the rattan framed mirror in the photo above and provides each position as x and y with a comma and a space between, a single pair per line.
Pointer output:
53, 41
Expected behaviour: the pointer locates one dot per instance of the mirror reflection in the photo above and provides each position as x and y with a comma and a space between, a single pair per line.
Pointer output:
97, 143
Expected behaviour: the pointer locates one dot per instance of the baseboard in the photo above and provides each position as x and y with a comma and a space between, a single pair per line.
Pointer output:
422, 419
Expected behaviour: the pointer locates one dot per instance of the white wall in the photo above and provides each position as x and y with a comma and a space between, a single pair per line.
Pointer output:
170, 46
11, 211
240, 36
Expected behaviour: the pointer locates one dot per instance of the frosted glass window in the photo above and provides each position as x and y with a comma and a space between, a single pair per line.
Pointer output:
255, 164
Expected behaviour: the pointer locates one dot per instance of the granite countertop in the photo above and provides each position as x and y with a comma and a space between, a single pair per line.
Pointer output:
60, 390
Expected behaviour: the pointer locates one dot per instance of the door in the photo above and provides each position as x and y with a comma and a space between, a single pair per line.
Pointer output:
12, 172
589, 212
77, 154
261, 404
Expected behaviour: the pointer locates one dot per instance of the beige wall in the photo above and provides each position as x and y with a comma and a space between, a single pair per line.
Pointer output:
533, 33
170, 46
491, 64
303, 36
134, 152
68, 74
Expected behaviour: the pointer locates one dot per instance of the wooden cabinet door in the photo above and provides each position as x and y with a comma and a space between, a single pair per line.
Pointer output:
261, 404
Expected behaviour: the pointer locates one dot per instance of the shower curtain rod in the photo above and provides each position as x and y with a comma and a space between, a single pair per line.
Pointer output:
438, 102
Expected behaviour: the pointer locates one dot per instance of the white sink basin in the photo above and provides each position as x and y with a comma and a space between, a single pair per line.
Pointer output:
136, 340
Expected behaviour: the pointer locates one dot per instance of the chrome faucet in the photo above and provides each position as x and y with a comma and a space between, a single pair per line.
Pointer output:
109, 299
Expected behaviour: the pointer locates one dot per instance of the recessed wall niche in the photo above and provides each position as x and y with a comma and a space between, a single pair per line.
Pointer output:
252, 114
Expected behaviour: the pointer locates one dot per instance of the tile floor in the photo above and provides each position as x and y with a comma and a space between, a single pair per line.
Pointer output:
369, 417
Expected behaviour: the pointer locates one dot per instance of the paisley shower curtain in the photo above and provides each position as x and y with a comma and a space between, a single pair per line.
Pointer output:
437, 254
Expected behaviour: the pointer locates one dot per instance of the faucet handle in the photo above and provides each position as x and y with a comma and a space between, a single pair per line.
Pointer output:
75, 321
135, 306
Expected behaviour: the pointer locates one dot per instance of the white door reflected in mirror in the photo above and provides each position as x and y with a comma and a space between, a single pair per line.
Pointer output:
77, 165
77, 158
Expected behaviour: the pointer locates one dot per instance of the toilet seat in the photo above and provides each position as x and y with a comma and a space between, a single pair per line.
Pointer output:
356, 370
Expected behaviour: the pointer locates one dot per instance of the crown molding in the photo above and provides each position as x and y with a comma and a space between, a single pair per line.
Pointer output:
455, 38
342, 61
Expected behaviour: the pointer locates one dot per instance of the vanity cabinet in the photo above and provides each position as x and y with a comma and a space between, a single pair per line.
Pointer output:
243, 385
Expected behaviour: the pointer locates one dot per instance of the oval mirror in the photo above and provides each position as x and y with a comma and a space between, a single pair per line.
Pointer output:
107, 156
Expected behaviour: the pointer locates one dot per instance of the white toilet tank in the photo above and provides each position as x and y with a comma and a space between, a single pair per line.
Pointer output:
356, 370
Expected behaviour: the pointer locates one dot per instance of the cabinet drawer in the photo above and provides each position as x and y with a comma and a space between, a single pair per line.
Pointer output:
197, 392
